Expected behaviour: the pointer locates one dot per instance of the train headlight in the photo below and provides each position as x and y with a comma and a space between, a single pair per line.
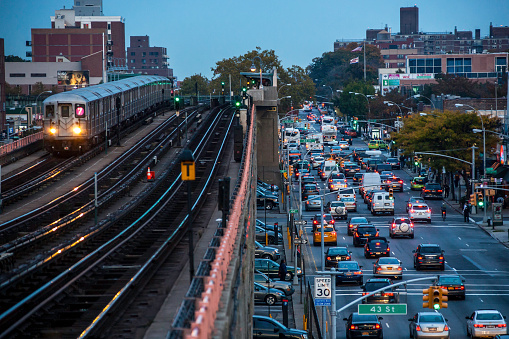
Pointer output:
53, 130
77, 130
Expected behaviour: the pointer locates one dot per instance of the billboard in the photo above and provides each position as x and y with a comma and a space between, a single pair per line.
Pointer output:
73, 77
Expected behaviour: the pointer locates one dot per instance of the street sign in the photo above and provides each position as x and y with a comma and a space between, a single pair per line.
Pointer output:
294, 211
300, 222
288, 121
393, 309
282, 171
322, 291
301, 241
307, 140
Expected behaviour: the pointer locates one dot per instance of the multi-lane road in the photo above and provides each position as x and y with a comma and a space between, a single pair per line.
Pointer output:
469, 252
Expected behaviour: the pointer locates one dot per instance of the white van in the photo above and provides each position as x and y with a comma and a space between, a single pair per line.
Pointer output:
382, 203
369, 181
328, 167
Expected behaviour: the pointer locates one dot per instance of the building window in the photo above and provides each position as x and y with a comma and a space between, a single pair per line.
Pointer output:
133, 53
17, 75
133, 61
385, 56
109, 26
109, 36
401, 56
431, 65
459, 65
144, 54
501, 63
38, 75
143, 61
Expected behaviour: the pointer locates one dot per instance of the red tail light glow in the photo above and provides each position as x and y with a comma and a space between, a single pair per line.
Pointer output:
377, 326
501, 325
353, 327
446, 328
328, 258
478, 325
417, 328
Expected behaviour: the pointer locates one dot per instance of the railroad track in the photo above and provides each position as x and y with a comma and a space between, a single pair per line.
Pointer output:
119, 247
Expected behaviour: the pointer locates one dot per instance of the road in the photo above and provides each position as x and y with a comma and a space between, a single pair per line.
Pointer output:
469, 251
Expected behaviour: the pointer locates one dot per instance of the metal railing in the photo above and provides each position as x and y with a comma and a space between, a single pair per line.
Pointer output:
6, 149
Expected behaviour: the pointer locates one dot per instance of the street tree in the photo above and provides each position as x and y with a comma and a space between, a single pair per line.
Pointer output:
195, 84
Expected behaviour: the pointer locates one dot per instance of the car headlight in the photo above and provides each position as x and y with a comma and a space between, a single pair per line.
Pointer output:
299, 271
304, 336
276, 251
280, 294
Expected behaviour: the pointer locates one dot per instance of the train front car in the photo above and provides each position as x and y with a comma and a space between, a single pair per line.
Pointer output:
66, 124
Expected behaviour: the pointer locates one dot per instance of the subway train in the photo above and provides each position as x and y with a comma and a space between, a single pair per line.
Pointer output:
76, 121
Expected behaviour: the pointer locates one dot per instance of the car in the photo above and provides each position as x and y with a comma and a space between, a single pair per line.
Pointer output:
427, 255
382, 202
357, 177
293, 146
309, 189
313, 202
333, 255
267, 186
389, 296
368, 196
351, 169
283, 286
347, 192
266, 327
414, 200
329, 235
486, 323
302, 171
271, 269
388, 266
352, 272
317, 161
337, 209
362, 233
377, 144
394, 162
261, 233
336, 184
395, 183
453, 283
344, 144
269, 296
401, 227
308, 179
268, 226
432, 190
350, 204
267, 201
377, 247
417, 183
364, 326
337, 176
266, 251
354, 222
420, 212
317, 220
429, 325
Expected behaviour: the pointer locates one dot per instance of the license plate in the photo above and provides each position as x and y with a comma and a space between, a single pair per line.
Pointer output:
389, 268
387, 204
490, 326
450, 288
365, 333
432, 329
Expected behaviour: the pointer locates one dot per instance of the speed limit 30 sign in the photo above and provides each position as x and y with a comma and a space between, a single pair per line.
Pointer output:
323, 291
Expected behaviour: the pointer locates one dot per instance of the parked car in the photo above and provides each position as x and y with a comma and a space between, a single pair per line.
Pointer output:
384, 297
486, 323
266, 252
283, 286
427, 255
453, 283
364, 326
271, 268
269, 296
269, 226
271, 236
266, 327
388, 267
429, 325
267, 186
401, 227
432, 190
334, 255
267, 201
337, 209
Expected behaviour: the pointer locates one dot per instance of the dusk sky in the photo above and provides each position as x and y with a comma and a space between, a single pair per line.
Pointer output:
198, 33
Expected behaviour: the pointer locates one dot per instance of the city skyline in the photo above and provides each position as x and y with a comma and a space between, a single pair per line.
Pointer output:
296, 31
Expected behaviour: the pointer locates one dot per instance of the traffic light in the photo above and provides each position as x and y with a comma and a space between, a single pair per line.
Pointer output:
391, 193
244, 92
416, 160
425, 297
290, 170
222, 86
473, 200
480, 200
436, 298
443, 297
177, 102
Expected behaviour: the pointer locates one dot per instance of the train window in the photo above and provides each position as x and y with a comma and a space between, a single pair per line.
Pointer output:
64, 111
79, 110
50, 111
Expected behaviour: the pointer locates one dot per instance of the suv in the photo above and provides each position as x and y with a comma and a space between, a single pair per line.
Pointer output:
401, 227
337, 209
432, 190
383, 297
420, 212
377, 247
395, 183
362, 233
428, 255
359, 325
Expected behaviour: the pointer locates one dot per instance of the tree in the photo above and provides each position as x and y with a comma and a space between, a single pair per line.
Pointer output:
355, 105
448, 133
12, 90
38, 88
14, 58
301, 87
195, 83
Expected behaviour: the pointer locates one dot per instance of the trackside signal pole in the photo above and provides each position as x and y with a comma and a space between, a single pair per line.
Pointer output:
187, 166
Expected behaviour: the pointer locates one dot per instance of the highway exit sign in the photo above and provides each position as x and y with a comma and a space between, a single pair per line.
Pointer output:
393, 309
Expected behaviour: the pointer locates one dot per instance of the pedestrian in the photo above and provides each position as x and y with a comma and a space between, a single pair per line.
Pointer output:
446, 190
456, 180
466, 212
282, 270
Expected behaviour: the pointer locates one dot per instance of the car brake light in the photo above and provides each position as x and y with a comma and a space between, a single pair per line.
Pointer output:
328, 258
462, 287
388, 294
353, 327
377, 244
379, 269
429, 211
478, 325
377, 326
440, 191
419, 257
357, 272
501, 325
411, 225
393, 226
400, 269
333, 233
446, 328
348, 258
332, 221
412, 210
401, 181
417, 328
441, 257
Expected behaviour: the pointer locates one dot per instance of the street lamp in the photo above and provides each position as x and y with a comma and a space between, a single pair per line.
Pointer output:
35, 104
282, 87
253, 68
331, 91
420, 95
369, 109
392, 103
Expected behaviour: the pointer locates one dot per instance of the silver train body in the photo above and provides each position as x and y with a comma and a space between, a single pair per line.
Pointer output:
76, 121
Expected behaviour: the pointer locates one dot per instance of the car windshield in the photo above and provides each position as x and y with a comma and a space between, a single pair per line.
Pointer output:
419, 180
359, 221
402, 221
360, 318
375, 285
431, 318
337, 204
338, 251
326, 229
379, 240
416, 200
347, 191
388, 261
348, 265
450, 280
489, 316
430, 249
364, 230
420, 208
433, 186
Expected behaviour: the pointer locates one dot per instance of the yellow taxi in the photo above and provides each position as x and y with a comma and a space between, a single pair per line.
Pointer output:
329, 235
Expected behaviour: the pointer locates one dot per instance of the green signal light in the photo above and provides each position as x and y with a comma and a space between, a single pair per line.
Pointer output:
237, 103
436, 306
481, 203
222, 83
177, 99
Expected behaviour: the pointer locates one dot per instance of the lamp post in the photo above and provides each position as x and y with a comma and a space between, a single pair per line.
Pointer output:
369, 109
282, 87
420, 95
331, 91
37, 98
392, 103
253, 68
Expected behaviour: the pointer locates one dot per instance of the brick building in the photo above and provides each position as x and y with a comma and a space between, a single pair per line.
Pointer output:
142, 58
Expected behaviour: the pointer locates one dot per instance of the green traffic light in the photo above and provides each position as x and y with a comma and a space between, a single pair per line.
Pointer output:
244, 89
237, 103
481, 203
416, 163
177, 99
222, 83
436, 306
